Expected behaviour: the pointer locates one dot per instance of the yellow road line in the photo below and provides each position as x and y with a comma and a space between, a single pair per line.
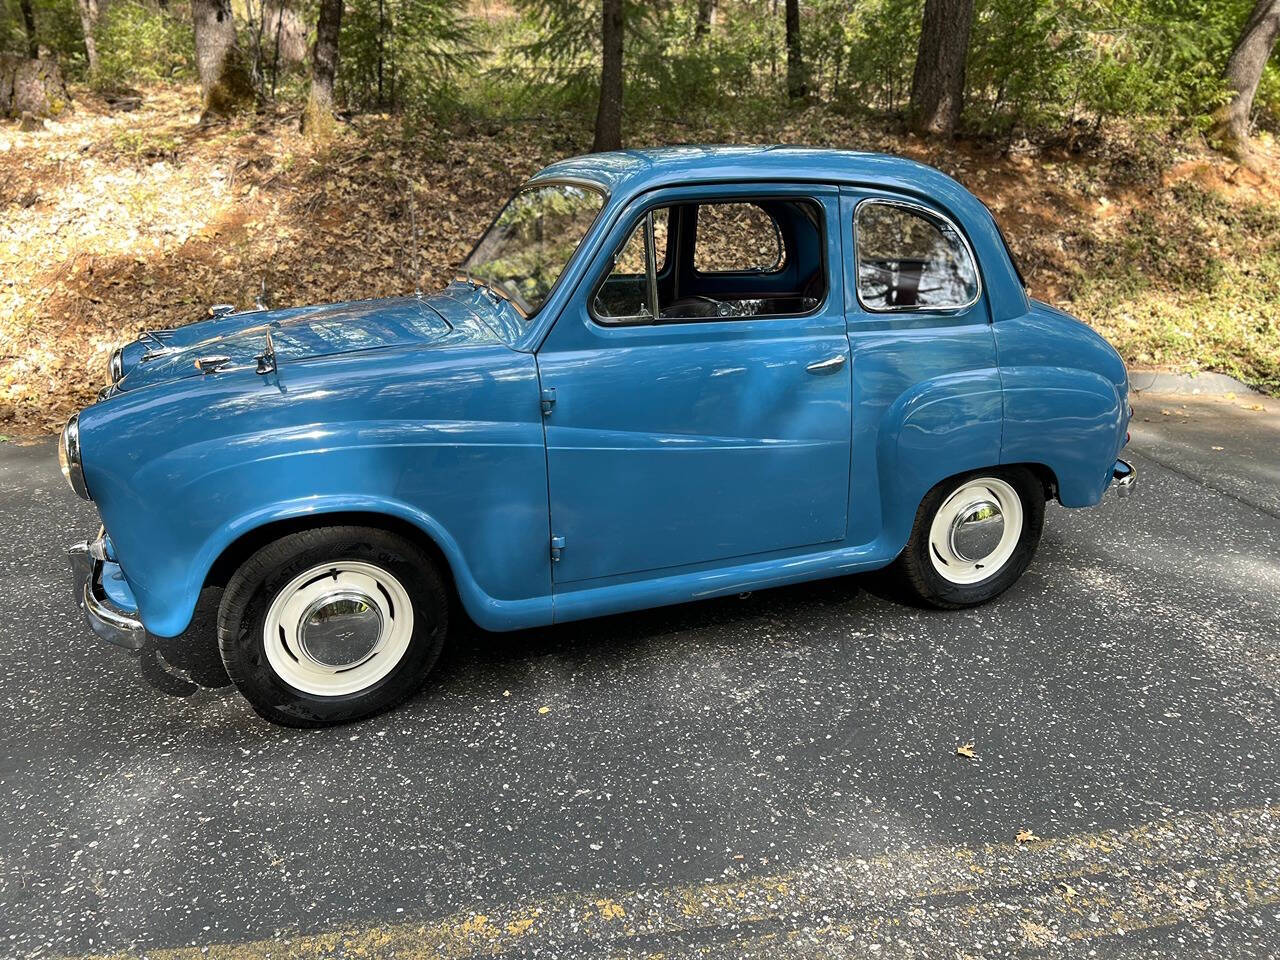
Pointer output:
1077, 888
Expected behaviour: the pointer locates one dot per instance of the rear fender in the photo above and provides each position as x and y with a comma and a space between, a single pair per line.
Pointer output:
937, 429
1070, 420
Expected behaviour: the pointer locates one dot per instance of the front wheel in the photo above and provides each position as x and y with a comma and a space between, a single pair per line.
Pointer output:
331, 625
973, 537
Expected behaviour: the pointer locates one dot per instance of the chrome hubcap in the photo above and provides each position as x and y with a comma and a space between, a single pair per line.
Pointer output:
338, 628
975, 531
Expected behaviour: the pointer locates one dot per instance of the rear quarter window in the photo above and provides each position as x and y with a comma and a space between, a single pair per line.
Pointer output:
910, 258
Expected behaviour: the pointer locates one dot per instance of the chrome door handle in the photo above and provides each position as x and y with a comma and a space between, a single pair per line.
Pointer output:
830, 365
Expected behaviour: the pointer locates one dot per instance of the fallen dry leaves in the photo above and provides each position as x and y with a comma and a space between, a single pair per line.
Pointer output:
966, 750
117, 222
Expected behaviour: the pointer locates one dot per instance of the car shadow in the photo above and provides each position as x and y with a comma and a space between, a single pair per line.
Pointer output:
183, 665
471, 647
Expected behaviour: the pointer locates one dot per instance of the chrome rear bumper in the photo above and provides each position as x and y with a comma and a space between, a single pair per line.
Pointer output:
1124, 477
105, 619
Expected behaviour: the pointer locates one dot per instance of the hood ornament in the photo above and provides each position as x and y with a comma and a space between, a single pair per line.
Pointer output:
267, 359
211, 364
222, 310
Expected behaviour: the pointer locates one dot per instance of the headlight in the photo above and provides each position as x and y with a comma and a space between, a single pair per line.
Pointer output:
69, 457
116, 367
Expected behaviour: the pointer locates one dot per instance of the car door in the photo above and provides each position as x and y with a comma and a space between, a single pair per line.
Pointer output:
697, 439
926, 384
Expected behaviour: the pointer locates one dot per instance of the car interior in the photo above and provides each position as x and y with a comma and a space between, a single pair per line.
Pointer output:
715, 260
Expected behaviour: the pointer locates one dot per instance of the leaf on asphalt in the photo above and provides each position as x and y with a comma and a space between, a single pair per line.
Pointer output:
1068, 891
544, 709
1026, 836
1218, 448
966, 750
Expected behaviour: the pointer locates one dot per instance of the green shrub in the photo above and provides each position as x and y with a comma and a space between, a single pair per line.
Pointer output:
141, 43
57, 29
407, 55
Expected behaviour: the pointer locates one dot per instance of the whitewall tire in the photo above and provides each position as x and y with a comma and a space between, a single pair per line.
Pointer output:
973, 537
329, 625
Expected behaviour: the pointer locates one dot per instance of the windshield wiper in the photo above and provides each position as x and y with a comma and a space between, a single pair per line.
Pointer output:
495, 292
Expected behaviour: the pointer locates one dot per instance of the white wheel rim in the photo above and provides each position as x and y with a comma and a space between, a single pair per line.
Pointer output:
975, 531
338, 628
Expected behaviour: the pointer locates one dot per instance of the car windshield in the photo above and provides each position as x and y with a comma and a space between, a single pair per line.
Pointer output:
527, 247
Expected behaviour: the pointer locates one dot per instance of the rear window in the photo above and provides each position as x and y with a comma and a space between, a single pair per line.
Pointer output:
737, 238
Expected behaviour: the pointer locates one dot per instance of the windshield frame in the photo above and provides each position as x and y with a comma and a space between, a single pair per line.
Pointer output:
537, 182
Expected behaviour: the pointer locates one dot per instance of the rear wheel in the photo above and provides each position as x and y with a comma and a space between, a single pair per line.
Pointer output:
331, 625
973, 537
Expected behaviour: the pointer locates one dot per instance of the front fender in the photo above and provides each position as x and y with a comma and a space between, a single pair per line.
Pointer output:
450, 442
173, 610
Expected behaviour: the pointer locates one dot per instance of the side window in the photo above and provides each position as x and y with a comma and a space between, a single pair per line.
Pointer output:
768, 255
631, 258
909, 259
625, 292
737, 238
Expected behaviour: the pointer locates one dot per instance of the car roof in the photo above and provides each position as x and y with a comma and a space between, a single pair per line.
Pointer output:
629, 172
625, 174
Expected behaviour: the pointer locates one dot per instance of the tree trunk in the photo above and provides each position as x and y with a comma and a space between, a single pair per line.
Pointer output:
1244, 70
29, 25
318, 117
937, 87
706, 19
797, 77
88, 24
224, 75
31, 88
609, 113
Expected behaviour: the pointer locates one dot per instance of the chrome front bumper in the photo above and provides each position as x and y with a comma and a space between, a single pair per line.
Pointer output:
105, 619
1124, 477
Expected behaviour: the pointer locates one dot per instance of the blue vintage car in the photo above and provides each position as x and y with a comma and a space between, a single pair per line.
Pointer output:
661, 375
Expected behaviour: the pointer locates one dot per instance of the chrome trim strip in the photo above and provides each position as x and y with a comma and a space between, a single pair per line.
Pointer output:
929, 212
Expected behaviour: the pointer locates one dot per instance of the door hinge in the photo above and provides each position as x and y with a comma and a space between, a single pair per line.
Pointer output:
548, 399
557, 545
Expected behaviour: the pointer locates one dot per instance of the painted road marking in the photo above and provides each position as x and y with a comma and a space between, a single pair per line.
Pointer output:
1187, 870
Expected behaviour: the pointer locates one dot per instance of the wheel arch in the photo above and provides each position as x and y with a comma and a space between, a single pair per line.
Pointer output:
234, 539
1044, 473
250, 541
240, 540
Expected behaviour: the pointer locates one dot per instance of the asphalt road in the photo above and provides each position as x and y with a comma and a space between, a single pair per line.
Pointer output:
774, 776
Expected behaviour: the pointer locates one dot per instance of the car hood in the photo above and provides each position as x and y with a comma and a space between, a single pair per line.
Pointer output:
456, 315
